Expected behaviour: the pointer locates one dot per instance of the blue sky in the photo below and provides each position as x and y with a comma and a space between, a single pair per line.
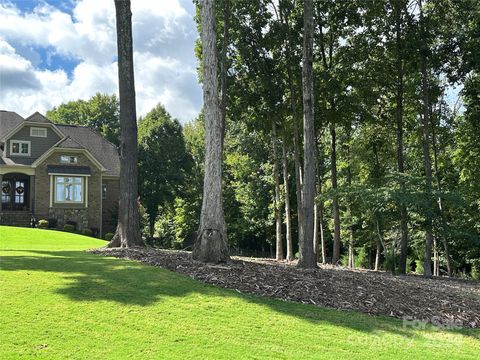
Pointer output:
57, 51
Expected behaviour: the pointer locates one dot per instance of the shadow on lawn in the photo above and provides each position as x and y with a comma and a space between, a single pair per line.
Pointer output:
93, 278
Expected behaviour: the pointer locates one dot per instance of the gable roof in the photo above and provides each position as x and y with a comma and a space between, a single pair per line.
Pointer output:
9, 120
69, 143
39, 118
104, 151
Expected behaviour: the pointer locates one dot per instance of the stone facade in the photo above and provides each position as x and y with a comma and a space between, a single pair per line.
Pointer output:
110, 205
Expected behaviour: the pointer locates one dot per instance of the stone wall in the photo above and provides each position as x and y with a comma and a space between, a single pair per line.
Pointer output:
110, 206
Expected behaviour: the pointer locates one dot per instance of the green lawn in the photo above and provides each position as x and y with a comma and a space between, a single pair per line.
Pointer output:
59, 302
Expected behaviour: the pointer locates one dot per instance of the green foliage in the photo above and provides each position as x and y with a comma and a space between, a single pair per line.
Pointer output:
43, 224
108, 236
87, 232
69, 228
100, 112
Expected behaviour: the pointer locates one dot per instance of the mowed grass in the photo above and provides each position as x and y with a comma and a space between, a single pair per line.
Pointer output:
59, 302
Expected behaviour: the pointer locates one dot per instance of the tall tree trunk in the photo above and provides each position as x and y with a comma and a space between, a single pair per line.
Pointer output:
128, 229
307, 259
426, 148
399, 122
277, 205
288, 216
440, 202
380, 243
351, 251
223, 65
211, 244
298, 184
335, 205
319, 207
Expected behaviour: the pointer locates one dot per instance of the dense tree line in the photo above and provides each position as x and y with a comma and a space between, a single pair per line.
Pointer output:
396, 156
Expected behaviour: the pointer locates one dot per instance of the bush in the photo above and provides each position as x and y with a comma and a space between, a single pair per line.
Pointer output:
69, 228
109, 236
52, 223
87, 232
73, 223
42, 224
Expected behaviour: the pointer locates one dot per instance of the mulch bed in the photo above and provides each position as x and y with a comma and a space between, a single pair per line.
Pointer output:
450, 302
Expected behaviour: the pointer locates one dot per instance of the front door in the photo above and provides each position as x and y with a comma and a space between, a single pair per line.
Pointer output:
15, 194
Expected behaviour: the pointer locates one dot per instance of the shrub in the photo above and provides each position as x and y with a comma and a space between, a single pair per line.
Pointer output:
42, 224
87, 232
69, 228
109, 236
52, 223
73, 223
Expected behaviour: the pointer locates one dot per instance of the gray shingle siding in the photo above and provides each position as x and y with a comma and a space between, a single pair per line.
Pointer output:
38, 145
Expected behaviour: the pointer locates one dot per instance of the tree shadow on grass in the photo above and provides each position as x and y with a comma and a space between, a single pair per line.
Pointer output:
95, 278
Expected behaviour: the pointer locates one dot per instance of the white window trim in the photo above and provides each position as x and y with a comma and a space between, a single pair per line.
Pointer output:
69, 156
84, 189
20, 142
38, 128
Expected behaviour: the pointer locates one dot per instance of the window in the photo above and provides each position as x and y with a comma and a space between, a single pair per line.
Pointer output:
67, 159
19, 147
68, 189
104, 191
38, 132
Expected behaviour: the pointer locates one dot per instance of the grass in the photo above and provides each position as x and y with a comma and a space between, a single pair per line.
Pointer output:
58, 302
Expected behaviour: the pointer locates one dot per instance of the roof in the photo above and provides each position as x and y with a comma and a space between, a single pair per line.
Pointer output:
75, 137
65, 169
8, 121
104, 151
69, 143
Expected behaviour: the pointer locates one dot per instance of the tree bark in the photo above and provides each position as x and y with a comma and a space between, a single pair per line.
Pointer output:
426, 147
335, 205
277, 205
399, 122
211, 244
288, 216
307, 259
128, 229
440, 202
223, 65
319, 207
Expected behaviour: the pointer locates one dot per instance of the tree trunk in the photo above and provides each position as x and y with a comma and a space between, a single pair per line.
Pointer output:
335, 206
380, 243
307, 259
440, 202
319, 203
211, 244
426, 149
223, 65
288, 216
298, 184
399, 122
278, 214
128, 229
151, 226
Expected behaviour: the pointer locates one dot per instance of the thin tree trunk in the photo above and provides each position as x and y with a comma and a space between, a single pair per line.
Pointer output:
399, 120
426, 149
298, 184
278, 214
151, 226
288, 216
351, 252
128, 229
319, 203
307, 259
335, 205
380, 243
440, 203
211, 244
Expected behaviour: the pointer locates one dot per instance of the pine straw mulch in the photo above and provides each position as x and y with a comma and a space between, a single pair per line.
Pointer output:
451, 302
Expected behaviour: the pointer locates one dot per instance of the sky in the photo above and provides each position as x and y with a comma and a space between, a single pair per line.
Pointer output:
54, 51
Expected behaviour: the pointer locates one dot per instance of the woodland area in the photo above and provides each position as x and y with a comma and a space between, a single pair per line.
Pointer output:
383, 147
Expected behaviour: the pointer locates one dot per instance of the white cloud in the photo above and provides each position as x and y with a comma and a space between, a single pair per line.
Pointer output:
165, 65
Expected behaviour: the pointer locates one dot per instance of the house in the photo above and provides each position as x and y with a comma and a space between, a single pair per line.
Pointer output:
51, 171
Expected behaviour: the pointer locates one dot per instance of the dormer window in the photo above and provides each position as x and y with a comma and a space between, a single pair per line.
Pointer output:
19, 148
68, 159
38, 132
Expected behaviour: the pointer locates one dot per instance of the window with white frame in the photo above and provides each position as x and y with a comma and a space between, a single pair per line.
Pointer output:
68, 189
38, 132
68, 159
20, 147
